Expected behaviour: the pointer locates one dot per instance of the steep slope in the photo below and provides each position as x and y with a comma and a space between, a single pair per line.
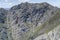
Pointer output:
27, 18
48, 25
3, 15
3, 24
27, 21
52, 35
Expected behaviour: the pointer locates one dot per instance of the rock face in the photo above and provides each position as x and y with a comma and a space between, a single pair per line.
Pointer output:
33, 12
3, 15
3, 24
27, 21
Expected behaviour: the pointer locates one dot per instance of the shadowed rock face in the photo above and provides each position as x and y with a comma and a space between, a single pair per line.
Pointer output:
21, 21
3, 25
3, 15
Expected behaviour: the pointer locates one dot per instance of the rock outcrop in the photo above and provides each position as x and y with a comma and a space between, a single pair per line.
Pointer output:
26, 21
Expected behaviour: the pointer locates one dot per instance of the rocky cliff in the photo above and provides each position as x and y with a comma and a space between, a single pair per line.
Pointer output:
27, 21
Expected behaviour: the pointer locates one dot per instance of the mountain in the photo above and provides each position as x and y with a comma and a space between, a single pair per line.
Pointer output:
3, 24
27, 21
3, 15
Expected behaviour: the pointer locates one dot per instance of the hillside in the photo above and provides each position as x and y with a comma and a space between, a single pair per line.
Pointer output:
27, 21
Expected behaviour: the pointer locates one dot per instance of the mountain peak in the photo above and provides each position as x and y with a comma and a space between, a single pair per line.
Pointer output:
26, 21
26, 4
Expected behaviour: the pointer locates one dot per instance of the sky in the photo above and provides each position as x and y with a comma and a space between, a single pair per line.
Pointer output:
10, 3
